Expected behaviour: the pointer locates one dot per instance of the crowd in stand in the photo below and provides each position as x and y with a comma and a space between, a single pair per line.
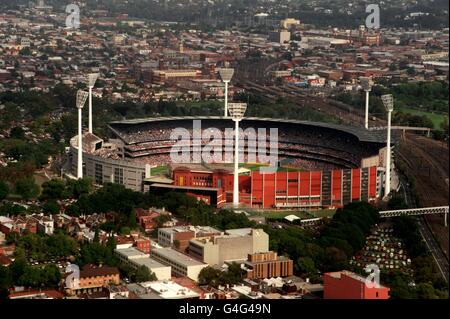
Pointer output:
314, 147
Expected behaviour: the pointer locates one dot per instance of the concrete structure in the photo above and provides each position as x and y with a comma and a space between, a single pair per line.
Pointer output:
180, 236
128, 162
102, 163
388, 101
81, 100
281, 37
289, 22
181, 264
135, 259
163, 76
348, 285
366, 84
170, 290
237, 111
268, 265
226, 74
234, 245
91, 79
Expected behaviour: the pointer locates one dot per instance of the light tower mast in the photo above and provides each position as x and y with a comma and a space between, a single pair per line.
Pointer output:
388, 101
91, 79
81, 100
237, 111
366, 84
226, 74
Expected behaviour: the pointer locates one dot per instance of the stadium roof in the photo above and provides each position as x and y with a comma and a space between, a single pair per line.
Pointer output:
362, 134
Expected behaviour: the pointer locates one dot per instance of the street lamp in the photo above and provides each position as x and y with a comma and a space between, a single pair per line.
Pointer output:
226, 74
366, 84
237, 111
91, 79
388, 101
81, 100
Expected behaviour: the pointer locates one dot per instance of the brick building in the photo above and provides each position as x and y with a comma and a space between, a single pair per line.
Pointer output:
93, 278
348, 285
268, 265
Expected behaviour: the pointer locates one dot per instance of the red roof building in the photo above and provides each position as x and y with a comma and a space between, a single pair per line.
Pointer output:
348, 285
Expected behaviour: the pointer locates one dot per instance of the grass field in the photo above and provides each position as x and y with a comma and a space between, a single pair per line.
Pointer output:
437, 119
160, 170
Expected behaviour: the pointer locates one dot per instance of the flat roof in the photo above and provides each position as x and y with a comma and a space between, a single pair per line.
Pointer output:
131, 252
239, 231
149, 263
361, 133
171, 290
177, 257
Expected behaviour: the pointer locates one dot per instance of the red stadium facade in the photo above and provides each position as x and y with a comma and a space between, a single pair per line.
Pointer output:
281, 189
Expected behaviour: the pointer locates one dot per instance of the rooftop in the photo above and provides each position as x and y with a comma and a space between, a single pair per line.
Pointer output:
170, 290
176, 256
132, 253
362, 134
149, 263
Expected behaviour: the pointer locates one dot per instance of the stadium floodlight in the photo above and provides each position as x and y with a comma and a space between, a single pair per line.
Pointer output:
237, 111
91, 79
388, 101
226, 74
81, 100
366, 84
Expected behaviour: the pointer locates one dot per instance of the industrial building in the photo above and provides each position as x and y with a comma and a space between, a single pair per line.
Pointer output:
181, 264
234, 245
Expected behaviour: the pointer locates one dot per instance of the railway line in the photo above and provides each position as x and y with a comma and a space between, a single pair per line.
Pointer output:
344, 112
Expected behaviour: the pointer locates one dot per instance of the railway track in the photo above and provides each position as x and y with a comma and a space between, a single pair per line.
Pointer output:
344, 112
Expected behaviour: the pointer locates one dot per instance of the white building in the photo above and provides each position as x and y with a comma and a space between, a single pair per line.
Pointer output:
182, 265
136, 258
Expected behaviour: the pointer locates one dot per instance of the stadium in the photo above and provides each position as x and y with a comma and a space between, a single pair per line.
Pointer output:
319, 165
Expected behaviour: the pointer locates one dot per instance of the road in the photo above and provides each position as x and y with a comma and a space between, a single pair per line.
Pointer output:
439, 257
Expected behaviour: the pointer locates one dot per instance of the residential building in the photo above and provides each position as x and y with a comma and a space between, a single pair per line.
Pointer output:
93, 278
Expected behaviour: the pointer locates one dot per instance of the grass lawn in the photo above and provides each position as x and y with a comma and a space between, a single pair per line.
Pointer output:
437, 119
160, 170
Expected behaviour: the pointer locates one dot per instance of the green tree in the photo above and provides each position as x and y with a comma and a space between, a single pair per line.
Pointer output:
53, 189
143, 274
51, 208
209, 276
17, 133
27, 188
305, 265
4, 190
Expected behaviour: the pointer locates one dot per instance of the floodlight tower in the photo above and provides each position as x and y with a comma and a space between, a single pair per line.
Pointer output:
81, 100
237, 111
388, 101
366, 84
91, 79
226, 74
